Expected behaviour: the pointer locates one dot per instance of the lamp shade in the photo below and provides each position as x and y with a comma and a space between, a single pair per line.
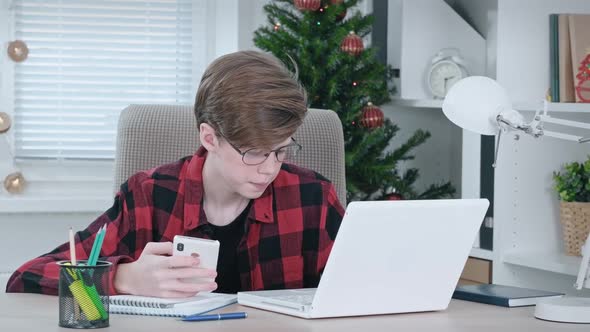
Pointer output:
474, 102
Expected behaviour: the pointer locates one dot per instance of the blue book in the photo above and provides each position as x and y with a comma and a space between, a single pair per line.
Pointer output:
505, 296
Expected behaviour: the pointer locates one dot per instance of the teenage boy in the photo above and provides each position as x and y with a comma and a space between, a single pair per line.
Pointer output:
276, 222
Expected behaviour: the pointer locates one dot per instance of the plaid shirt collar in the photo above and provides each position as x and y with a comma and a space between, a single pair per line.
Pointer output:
194, 215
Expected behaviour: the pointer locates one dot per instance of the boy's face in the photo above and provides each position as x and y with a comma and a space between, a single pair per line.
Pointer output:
248, 181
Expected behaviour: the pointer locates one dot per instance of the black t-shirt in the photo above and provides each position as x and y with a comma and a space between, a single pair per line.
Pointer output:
229, 236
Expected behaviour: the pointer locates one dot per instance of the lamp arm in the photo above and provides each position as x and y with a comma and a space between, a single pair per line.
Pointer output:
563, 122
583, 279
540, 119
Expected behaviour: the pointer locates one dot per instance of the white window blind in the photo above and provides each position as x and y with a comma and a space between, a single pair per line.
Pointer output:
90, 59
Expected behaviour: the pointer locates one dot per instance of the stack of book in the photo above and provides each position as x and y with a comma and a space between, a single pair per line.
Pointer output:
569, 40
502, 295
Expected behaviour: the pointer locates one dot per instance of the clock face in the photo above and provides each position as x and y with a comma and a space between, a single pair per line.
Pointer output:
442, 76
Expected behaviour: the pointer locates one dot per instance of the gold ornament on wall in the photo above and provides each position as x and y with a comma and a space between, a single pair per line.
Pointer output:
5, 122
18, 50
14, 183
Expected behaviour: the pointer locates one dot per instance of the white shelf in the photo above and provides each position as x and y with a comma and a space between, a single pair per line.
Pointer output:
421, 103
553, 107
481, 253
546, 261
520, 106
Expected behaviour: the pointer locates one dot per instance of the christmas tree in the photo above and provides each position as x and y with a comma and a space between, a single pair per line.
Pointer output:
323, 43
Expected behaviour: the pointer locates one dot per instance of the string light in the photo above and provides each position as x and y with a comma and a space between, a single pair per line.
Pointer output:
354, 84
277, 26
14, 183
4, 122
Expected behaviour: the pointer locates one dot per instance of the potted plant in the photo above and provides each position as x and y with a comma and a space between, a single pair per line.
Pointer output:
572, 184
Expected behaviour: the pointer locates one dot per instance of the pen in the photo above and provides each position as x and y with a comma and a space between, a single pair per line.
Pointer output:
201, 318
96, 246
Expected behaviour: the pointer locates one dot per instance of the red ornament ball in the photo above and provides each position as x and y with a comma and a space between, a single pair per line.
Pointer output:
372, 116
394, 197
305, 5
352, 44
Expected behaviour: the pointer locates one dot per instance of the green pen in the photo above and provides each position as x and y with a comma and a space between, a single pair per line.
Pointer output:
93, 250
96, 246
92, 259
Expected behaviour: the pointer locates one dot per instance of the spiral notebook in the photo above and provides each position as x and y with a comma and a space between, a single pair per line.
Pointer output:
153, 306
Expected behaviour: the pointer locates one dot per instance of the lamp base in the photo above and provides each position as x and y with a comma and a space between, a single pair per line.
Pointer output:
566, 309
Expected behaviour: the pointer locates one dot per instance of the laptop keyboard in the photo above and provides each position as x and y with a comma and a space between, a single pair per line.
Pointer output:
305, 299
297, 296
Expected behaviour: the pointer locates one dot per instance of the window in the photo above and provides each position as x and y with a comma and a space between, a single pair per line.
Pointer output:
90, 59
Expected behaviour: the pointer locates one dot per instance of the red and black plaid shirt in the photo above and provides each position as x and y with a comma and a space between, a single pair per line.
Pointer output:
289, 235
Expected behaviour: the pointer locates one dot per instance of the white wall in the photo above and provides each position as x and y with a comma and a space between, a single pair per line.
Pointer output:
482, 16
427, 27
252, 16
28, 235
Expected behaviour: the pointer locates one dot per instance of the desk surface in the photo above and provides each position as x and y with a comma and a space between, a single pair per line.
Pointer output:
31, 312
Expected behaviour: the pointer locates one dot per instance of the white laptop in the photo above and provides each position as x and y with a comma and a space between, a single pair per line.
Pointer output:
388, 257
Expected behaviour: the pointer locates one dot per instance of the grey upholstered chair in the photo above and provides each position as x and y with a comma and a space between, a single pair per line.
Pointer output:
152, 135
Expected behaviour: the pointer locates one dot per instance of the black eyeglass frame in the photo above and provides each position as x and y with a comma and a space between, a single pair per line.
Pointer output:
266, 155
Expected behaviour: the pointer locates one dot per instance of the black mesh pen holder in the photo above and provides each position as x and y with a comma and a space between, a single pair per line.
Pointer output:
84, 295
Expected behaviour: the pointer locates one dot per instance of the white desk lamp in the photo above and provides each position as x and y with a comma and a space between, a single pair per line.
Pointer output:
479, 104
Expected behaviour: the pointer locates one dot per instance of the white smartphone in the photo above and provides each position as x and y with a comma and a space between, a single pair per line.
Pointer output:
207, 251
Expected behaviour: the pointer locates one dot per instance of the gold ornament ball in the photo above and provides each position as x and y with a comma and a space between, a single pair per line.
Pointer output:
18, 50
14, 183
5, 122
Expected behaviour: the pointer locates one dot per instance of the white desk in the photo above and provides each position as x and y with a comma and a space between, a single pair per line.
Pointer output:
31, 312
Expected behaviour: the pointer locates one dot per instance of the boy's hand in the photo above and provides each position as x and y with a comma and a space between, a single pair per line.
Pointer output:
158, 273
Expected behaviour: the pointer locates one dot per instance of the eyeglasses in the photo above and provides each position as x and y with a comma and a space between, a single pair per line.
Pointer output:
256, 156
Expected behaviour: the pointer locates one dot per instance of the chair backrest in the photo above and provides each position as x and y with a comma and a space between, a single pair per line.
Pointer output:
153, 135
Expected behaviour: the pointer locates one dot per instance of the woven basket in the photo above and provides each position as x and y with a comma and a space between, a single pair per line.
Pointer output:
575, 222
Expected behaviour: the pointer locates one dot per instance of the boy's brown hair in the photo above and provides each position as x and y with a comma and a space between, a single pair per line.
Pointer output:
251, 99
